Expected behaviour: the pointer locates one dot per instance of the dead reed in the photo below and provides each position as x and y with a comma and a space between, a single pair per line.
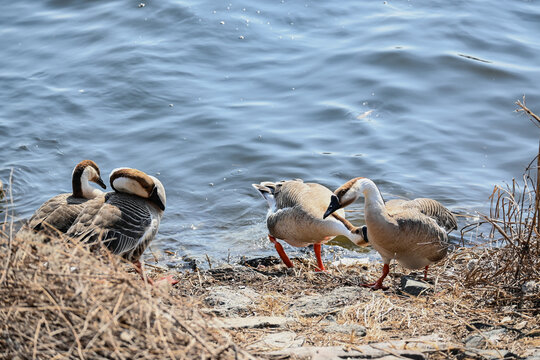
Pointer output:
58, 300
507, 270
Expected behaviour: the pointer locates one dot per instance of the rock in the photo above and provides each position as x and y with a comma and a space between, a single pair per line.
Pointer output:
417, 348
358, 330
532, 354
318, 305
283, 340
414, 287
226, 301
253, 322
475, 341
489, 354
480, 340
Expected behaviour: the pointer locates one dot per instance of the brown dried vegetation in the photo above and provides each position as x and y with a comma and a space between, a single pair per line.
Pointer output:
58, 300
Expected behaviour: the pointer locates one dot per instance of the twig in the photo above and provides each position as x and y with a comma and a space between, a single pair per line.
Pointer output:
70, 325
532, 115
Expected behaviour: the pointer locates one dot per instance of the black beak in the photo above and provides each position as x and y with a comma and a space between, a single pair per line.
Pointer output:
334, 205
100, 182
364, 233
155, 198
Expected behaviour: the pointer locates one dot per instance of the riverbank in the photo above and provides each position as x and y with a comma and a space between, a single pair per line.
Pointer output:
58, 299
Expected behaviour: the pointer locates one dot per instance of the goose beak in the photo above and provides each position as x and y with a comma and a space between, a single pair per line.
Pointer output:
100, 182
334, 205
156, 199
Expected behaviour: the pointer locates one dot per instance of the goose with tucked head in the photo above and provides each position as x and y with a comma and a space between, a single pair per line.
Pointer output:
126, 220
295, 216
61, 211
414, 232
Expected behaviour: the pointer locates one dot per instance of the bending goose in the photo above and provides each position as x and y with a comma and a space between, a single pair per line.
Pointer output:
126, 220
413, 232
61, 211
295, 216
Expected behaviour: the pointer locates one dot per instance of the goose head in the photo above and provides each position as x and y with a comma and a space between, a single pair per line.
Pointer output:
136, 182
83, 173
346, 194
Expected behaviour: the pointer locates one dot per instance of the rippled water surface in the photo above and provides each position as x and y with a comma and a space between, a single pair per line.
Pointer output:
212, 96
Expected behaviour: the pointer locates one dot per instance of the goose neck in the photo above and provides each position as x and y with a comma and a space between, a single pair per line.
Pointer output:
82, 187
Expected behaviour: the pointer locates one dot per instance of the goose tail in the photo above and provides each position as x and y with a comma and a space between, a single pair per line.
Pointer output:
267, 190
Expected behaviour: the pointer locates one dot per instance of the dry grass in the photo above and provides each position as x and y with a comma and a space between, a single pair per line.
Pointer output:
506, 271
58, 300
451, 310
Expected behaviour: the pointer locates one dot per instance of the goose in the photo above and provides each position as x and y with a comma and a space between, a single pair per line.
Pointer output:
125, 220
60, 211
295, 216
414, 232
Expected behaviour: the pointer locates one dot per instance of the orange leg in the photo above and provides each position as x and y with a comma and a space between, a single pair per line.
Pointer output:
138, 267
425, 272
317, 248
281, 252
169, 279
378, 284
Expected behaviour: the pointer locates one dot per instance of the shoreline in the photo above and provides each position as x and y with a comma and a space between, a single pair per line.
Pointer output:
259, 308
277, 312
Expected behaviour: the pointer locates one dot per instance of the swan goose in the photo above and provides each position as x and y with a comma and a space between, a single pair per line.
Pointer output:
295, 216
413, 232
61, 211
126, 220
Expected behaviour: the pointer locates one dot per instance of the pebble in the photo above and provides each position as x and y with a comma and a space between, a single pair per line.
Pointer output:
358, 330
480, 340
414, 287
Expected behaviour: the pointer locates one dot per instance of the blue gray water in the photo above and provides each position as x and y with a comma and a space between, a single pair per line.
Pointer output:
212, 96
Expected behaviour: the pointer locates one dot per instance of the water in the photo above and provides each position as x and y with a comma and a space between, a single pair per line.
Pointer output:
214, 96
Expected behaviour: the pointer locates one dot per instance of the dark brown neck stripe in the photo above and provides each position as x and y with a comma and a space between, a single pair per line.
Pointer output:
136, 175
76, 181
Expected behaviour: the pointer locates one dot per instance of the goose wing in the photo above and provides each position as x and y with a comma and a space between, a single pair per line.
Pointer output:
124, 223
58, 212
428, 207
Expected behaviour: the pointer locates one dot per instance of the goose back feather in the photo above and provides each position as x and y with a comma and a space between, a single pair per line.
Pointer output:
60, 211
124, 222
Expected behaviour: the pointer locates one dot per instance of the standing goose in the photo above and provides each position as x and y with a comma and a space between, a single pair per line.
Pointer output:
126, 220
295, 216
61, 211
412, 232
